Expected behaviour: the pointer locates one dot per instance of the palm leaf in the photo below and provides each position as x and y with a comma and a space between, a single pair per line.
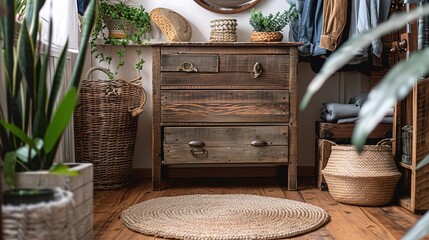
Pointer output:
395, 86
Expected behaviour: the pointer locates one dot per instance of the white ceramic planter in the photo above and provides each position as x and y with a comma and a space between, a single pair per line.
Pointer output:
81, 186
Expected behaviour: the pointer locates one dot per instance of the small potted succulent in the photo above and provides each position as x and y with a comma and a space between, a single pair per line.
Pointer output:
268, 28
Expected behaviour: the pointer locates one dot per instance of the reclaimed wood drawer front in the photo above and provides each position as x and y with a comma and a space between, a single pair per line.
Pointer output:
246, 63
253, 144
224, 106
179, 80
189, 63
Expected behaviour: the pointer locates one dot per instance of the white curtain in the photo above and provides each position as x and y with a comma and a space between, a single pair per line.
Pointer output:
65, 23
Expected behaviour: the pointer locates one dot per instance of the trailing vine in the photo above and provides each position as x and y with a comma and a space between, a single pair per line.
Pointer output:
140, 20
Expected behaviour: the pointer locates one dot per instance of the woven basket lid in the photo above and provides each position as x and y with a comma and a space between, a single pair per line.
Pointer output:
173, 26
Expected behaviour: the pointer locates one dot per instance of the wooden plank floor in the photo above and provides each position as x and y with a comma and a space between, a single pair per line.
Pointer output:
347, 222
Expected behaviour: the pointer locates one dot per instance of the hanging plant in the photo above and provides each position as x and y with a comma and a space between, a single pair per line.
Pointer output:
130, 23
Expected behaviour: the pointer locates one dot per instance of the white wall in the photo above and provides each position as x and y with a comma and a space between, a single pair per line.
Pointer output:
339, 89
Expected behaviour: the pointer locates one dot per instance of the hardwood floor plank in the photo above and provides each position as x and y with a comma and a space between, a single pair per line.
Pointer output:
346, 222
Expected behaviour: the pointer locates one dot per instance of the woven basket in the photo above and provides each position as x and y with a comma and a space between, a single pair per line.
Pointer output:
266, 36
105, 124
45, 220
223, 30
173, 26
367, 179
118, 28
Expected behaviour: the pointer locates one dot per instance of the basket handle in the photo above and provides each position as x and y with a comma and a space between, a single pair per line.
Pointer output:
329, 141
136, 83
385, 142
104, 70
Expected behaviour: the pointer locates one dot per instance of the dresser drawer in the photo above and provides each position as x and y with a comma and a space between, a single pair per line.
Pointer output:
189, 63
247, 63
225, 106
253, 144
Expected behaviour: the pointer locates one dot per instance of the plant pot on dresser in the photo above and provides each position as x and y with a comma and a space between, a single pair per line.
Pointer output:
225, 103
81, 186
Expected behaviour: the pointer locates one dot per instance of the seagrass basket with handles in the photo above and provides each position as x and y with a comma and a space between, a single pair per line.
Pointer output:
367, 179
105, 125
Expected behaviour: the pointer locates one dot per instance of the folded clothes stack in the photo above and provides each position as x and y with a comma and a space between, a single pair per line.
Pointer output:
348, 113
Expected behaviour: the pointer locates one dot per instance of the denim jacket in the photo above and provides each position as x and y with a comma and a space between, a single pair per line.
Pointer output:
310, 28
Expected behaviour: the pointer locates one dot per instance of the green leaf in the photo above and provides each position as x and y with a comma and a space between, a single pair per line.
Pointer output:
57, 81
15, 131
344, 54
395, 86
423, 163
28, 152
7, 28
9, 163
26, 59
61, 169
88, 23
60, 120
419, 230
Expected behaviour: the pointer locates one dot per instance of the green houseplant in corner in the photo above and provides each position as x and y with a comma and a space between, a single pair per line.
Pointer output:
267, 28
120, 25
393, 87
30, 124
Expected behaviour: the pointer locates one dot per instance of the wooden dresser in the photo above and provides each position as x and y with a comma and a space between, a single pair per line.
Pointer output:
224, 103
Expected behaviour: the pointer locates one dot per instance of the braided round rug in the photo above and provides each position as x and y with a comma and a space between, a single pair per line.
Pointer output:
228, 216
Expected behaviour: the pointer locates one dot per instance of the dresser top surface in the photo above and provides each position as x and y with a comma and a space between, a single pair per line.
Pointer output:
225, 44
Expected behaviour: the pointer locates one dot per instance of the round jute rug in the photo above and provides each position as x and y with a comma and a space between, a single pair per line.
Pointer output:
228, 216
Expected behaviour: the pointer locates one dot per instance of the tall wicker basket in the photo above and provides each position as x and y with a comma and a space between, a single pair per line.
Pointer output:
105, 124
367, 179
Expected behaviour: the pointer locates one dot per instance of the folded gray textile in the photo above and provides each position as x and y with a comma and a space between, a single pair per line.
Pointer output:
356, 119
345, 113
331, 112
359, 99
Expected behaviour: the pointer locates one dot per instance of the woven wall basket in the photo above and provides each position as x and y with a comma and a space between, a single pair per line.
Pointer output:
266, 36
40, 221
105, 125
367, 179
173, 26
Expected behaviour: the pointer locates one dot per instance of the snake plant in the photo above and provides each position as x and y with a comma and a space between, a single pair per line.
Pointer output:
31, 124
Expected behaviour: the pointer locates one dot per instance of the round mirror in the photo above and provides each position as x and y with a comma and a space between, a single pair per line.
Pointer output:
227, 6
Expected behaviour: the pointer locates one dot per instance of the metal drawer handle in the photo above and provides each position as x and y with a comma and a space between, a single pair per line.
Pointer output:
196, 144
259, 143
187, 67
257, 70
199, 152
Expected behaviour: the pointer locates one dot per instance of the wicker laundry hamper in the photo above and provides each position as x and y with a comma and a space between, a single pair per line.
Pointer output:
367, 179
105, 125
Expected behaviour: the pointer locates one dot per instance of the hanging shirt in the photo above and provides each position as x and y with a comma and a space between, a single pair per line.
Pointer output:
367, 14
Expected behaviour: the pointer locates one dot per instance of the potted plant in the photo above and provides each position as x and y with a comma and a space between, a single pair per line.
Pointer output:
267, 28
30, 124
120, 25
